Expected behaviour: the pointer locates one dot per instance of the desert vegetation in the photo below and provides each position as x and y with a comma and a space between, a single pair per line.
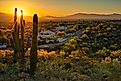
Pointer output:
93, 55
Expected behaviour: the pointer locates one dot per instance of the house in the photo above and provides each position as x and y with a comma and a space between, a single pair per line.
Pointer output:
45, 34
62, 28
61, 39
2, 46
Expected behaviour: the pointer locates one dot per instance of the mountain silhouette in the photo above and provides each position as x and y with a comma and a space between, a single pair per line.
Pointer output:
4, 17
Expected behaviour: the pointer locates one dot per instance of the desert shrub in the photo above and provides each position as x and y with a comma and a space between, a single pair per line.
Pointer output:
114, 47
116, 54
71, 45
103, 53
84, 37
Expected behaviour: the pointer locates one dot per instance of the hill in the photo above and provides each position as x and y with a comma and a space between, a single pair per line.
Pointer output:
84, 16
4, 17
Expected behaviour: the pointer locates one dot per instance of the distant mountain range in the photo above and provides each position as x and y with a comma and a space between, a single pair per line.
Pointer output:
82, 16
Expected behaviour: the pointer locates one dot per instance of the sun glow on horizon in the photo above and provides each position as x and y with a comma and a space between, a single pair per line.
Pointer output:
58, 7
19, 11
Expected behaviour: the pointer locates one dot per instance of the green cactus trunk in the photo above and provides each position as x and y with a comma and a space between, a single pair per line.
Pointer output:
33, 52
16, 37
22, 23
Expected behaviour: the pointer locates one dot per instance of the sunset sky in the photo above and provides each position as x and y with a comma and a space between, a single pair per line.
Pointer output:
61, 7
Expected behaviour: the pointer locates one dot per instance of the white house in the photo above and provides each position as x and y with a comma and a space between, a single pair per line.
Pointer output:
2, 46
62, 28
45, 34
61, 39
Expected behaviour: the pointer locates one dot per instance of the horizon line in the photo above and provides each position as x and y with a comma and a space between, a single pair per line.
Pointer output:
69, 14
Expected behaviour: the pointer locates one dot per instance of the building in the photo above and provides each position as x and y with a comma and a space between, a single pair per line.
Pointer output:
62, 28
3, 46
45, 34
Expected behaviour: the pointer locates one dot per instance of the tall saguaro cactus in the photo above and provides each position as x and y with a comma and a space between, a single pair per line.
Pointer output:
14, 32
33, 51
16, 37
22, 24
18, 43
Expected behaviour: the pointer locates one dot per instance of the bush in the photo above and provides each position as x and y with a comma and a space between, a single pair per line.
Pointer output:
103, 53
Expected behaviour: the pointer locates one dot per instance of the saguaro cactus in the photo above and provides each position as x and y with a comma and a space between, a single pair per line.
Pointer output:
33, 51
16, 36
22, 24
19, 48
